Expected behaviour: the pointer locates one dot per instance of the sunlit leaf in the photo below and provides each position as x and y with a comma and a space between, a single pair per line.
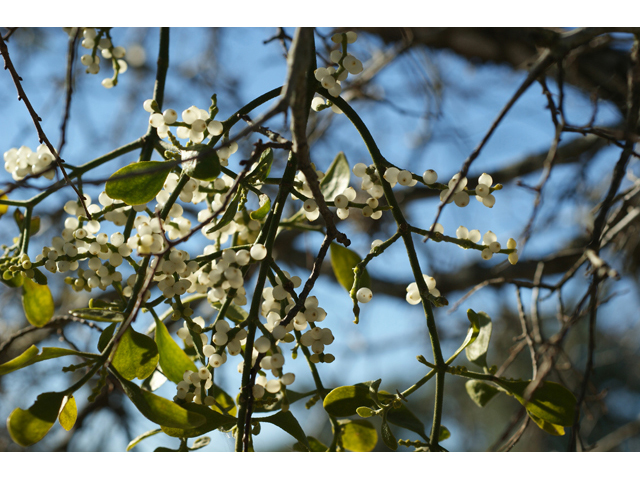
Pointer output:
27, 427
261, 172
136, 355
201, 442
3, 208
158, 409
315, 445
551, 402
31, 356
224, 402
477, 352
211, 421
138, 183
98, 314
480, 392
343, 262
444, 433
173, 360
336, 178
265, 207
37, 303
344, 401
472, 335
550, 428
201, 162
287, 422
139, 438
359, 436
68, 414
34, 226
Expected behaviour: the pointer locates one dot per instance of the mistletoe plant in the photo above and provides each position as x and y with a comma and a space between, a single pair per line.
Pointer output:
147, 268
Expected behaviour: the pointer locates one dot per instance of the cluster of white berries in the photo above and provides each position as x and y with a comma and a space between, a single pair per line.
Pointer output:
99, 41
196, 125
302, 185
413, 293
460, 195
332, 79
20, 162
490, 241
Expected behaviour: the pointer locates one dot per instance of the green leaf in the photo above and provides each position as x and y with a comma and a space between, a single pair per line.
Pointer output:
387, 436
31, 356
34, 226
344, 401
551, 402
27, 427
265, 207
212, 421
200, 443
477, 352
224, 402
336, 178
315, 445
173, 360
136, 355
480, 392
138, 183
139, 438
287, 422
37, 303
364, 412
68, 414
472, 335
98, 314
228, 215
403, 417
205, 164
105, 337
343, 262
359, 435
262, 170
158, 409
547, 427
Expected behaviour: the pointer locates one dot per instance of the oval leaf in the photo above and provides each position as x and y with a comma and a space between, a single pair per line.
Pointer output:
201, 163
138, 183
212, 421
551, 402
37, 303
344, 401
548, 427
265, 206
136, 355
343, 262
336, 178
387, 436
173, 360
359, 436
68, 414
477, 352
480, 392
158, 409
27, 427
31, 356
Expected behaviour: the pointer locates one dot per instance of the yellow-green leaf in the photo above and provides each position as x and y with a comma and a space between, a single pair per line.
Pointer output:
139, 438
68, 414
98, 314
480, 392
3, 208
548, 427
173, 360
158, 409
551, 402
136, 355
344, 401
212, 421
37, 303
138, 183
265, 206
343, 262
27, 427
359, 436
31, 356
